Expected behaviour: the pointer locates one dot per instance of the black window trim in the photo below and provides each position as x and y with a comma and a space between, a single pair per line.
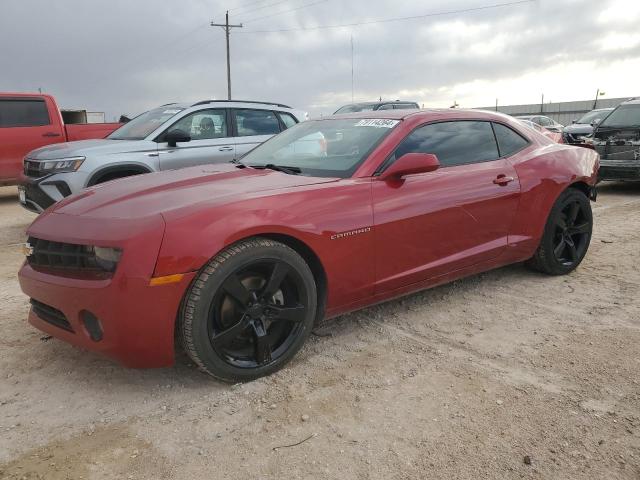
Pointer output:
160, 137
29, 99
385, 164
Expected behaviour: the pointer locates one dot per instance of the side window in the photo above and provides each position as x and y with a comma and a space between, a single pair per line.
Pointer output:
203, 124
386, 106
256, 122
509, 142
545, 121
287, 119
405, 106
454, 143
23, 113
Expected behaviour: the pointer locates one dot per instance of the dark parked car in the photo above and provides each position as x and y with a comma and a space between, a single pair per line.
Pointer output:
372, 106
546, 122
574, 134
617, 140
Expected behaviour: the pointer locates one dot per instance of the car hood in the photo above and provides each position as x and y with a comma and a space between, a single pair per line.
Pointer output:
579, 128
86, 148
179, 191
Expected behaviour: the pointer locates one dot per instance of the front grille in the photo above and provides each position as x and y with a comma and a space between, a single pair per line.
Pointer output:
63, 256
610, 151
32, 169
51, 315
573, 138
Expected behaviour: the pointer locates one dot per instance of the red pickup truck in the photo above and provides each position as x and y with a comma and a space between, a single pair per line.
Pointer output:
29, 121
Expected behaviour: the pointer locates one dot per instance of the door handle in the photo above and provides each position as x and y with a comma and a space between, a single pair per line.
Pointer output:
225, 149
157, 154
51, 134
503, 180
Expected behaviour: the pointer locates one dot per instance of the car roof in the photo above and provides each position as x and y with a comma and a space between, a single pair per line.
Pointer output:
229, 104
425, 114
633, 101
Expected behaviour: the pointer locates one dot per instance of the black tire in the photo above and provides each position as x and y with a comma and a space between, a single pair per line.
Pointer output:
567, 235
249, 311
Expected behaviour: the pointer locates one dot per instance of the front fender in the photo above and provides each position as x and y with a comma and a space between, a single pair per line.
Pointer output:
310, 217
226, 230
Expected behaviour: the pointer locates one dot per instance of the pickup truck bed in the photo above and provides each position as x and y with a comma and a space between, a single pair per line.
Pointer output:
29, 121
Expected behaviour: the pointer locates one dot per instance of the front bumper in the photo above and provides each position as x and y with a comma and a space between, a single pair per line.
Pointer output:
619, 170
136, 320
38, 194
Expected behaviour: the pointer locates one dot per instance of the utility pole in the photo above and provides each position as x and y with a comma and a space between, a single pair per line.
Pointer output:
352, 68
598, 94
227, 29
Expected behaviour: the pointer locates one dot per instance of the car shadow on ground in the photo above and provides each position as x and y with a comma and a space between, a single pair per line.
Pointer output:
619, 188
8, 195
185, 375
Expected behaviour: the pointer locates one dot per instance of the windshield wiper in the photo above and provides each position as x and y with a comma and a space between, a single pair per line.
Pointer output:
237, 163
281, 168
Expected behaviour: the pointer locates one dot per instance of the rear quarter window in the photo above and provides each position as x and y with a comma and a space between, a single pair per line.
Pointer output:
287, 119
23, 113
509, 142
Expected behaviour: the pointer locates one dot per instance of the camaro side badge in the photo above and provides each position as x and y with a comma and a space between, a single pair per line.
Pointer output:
27, 249
350, 233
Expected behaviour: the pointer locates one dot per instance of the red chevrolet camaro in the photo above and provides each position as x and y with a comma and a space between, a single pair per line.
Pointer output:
240, 260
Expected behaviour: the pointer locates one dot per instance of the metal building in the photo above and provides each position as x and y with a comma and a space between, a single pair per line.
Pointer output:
562, 112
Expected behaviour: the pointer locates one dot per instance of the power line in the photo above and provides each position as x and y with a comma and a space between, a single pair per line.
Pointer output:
388, 20
239, 7
263, 7
165, 47
286, 11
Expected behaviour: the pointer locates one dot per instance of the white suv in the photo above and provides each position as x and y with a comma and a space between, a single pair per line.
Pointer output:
169, 137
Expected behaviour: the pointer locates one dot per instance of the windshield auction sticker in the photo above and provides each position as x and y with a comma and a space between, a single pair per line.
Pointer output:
378, 123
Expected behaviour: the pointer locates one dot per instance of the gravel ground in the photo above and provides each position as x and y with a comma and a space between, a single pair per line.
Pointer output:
508, 374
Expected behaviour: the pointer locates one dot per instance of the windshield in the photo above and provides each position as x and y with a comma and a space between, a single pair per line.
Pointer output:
356, 107
141, 126
623, 116
593, 115
322, 148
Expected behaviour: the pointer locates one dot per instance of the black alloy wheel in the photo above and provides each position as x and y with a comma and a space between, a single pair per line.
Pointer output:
249, 311
572, 233
566, 236
256, 314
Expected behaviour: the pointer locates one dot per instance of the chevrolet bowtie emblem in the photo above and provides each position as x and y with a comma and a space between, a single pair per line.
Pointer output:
27, 249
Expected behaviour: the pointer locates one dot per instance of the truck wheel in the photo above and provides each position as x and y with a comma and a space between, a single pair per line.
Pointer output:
567, 235
249, 311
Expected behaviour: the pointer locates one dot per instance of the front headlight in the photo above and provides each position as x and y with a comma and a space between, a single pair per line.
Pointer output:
107, 258
62, 165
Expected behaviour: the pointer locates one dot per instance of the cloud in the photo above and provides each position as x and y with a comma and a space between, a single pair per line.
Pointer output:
123, 56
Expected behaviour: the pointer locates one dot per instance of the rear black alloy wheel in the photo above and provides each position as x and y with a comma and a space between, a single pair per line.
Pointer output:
249, 311
567, 234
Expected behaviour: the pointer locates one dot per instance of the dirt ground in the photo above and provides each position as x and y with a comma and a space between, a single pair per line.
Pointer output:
509, 374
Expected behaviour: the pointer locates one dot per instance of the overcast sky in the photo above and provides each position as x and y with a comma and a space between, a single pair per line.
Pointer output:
125, 56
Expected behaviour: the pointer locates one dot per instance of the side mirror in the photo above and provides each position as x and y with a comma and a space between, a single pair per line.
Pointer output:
174, 137
410, 164
575, 120
595, 122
